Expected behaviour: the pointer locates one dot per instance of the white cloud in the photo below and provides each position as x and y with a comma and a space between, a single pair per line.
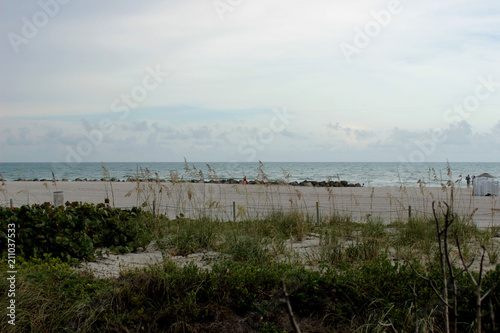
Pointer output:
264, 54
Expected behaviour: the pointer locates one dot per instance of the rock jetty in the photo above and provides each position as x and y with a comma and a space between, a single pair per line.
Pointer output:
308, 183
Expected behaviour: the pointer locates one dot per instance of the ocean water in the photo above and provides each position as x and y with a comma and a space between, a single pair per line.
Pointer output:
369, 174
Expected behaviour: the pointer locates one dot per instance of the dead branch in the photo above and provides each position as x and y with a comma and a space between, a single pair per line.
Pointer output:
295, 325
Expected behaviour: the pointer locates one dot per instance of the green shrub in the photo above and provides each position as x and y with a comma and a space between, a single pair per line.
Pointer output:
417, 233
237, 296
51, 297
190, 236
247, 249
74, 231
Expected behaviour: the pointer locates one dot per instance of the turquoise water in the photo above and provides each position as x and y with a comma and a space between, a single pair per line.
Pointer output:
370, 174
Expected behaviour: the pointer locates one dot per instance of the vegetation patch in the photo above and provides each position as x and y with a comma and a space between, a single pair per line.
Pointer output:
409, 276
75, 231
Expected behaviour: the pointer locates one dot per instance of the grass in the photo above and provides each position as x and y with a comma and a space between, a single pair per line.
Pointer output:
245, 248
360, 275
357, 289
186, 236
374, 296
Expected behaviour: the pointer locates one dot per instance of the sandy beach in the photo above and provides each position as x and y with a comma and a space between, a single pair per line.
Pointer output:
216, 200
192, 199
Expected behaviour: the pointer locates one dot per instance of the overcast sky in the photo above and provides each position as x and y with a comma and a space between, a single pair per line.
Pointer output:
241, 80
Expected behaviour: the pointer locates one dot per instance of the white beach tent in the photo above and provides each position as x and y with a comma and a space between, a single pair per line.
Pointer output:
485, 184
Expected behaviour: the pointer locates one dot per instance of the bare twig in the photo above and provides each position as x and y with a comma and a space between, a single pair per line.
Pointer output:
478, 285
444, 278
295, 325
449, 219
431, 283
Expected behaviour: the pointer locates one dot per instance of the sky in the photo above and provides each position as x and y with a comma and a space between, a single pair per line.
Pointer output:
240, 80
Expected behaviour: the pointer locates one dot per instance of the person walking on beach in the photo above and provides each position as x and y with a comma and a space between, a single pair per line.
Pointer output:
467, 179
245, 180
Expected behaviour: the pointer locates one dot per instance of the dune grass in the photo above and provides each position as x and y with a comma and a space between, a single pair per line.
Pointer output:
237, 296
356, 275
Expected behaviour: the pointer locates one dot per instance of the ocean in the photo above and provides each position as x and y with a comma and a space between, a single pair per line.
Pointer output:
370, 174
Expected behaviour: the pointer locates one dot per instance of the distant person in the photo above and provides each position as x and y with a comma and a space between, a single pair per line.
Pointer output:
245, 180
467, 179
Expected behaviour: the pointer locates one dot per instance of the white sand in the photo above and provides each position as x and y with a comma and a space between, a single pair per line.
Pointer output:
390, 203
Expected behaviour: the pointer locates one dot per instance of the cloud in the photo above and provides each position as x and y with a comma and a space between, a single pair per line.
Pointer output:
496, 129
20, 137
352, 133
228, 75
141, 126
459, 133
